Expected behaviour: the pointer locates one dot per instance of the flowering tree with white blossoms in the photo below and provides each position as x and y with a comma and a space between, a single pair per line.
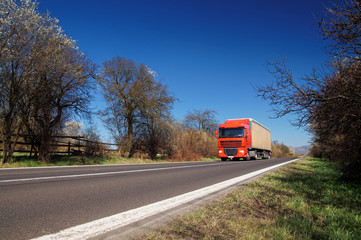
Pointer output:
44, 78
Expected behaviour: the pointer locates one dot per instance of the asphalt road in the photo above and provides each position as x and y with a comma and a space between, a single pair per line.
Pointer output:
39, 201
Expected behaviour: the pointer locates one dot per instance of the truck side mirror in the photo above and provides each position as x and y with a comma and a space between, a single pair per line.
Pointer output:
216, 133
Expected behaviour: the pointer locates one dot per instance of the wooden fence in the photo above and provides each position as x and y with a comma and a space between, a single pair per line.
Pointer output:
69, 145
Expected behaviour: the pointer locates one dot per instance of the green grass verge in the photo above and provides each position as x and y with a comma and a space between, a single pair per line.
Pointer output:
22, 160
303, 200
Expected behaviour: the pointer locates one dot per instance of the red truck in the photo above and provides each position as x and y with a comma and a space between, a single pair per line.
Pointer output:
243, 138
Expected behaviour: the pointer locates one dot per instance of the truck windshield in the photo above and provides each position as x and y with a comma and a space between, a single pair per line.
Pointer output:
231, 132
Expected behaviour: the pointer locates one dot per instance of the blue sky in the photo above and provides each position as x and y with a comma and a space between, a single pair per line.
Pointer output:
208, 53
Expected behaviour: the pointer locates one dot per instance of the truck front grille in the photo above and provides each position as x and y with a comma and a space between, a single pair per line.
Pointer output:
230, 144
230, 151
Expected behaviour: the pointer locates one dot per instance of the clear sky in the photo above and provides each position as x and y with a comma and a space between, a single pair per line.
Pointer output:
208, 52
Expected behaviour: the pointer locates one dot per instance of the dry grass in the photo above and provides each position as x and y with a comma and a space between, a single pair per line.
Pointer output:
304, 200
280, 150
191, 145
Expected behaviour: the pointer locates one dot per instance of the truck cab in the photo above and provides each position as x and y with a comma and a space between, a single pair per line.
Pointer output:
235, 140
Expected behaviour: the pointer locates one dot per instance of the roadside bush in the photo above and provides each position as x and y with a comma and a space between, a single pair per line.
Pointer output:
193, 145
316, 151
280, 150
93, 146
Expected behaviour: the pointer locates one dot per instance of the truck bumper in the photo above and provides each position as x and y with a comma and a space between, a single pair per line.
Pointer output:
232, 153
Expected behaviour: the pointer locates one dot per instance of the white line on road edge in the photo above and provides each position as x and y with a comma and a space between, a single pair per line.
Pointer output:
107, 224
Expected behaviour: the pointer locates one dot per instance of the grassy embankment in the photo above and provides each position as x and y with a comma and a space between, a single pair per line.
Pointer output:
303, 200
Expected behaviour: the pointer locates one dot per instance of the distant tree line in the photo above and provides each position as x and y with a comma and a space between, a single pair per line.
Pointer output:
46, 81
328, 105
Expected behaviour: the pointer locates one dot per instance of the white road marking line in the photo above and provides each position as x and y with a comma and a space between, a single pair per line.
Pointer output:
104, 173
107, 224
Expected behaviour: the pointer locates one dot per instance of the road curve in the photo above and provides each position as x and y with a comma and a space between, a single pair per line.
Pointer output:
41, 201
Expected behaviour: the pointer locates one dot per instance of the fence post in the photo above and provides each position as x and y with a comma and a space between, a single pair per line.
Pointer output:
69, 148
31, 150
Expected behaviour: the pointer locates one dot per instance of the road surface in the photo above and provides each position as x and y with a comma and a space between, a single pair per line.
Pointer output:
41, 201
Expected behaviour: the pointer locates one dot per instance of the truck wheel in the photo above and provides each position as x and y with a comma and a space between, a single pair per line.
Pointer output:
248, 157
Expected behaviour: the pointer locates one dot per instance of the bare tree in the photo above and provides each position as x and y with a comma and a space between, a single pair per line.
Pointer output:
328, 105
137, 103
287, 95
201, 120
61, 87
336, 121
119, 80
341, 24
155, 116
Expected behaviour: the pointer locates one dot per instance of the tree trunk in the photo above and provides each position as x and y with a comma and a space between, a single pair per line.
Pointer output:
153, 145
7, 145
6, 149
44, 150
130, 144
